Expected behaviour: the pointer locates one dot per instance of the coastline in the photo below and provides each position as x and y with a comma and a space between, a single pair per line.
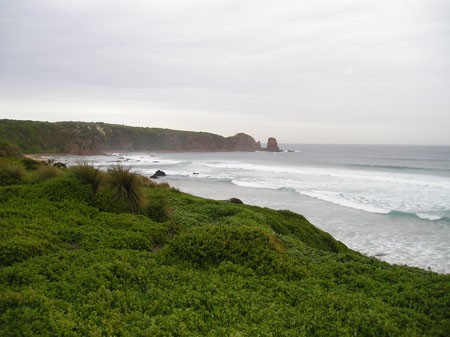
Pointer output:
38, 156
392, 237
367, 233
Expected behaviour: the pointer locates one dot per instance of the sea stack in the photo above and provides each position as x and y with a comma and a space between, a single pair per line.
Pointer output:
258, 146
272, 145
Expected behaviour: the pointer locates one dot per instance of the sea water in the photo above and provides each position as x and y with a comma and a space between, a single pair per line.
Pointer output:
392, 202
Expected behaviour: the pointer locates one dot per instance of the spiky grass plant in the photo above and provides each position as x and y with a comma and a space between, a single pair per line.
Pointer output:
88, 174
46, 173
125, 184
146, 182
11, 173
30, 164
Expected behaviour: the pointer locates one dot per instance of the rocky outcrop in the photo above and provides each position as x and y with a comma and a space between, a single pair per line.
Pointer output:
157, 174
59, 165
240, 142
235, 201
95, 138
272, 145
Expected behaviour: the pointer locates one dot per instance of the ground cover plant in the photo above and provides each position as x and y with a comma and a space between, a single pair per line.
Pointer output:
11, 173
188, 266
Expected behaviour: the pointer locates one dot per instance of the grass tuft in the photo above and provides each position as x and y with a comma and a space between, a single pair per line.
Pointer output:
125, 184
88, 174
11, 173
46, 173
164, 185
30, 164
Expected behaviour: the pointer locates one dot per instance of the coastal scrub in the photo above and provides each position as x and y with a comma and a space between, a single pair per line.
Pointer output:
210, 268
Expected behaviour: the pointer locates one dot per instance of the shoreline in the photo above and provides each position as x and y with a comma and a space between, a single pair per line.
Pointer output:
110, 152
355, 228
402, 240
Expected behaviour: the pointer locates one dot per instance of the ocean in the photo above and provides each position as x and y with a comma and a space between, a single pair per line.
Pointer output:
392, 202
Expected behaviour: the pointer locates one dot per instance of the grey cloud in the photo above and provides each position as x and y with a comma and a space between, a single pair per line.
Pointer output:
316, 62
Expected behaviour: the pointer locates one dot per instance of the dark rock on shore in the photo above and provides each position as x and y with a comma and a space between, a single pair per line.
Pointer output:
157, 174
235, 201
59, 165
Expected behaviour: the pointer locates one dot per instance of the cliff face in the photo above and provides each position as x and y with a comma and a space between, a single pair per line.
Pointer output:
93, 138
242, 142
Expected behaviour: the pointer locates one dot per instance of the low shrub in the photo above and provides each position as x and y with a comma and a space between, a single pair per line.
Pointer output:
163, 185
249, 246
107, 201
158, 209
124, 185
11, 174
66, 188
46, 173
146, 182
19, 248
8, 192
30, 164
88, 174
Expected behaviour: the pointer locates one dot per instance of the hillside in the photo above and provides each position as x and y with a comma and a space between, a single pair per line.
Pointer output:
76, 262
93, 138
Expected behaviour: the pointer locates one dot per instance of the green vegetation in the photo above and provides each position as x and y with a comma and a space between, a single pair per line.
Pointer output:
88, 174
90, 138
30, 164
188, 266
124, 184
45, 172
11, 173
7, 149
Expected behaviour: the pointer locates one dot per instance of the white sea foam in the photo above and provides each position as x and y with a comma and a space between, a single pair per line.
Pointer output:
339, 199
370, 191
269, 184
429, 216
396, 178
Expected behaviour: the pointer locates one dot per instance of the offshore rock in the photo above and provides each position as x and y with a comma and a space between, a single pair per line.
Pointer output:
157, 174
272, 145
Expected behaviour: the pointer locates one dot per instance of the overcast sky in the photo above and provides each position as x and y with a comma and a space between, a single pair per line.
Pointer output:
351, 71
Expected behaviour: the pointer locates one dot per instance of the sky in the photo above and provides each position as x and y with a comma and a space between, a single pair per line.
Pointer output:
325, 71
